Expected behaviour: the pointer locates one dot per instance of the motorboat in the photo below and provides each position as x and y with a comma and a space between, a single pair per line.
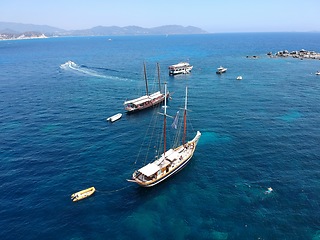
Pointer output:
180, 68
221, 70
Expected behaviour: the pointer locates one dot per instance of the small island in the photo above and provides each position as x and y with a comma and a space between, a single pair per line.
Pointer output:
302, 54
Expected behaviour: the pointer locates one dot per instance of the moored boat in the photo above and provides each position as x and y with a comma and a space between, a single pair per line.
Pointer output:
114, 117
170, 161
180, 68
82, 194
221, 70
147, 100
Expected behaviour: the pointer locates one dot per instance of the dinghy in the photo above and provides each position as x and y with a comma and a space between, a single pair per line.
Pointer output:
82, 194
114, 117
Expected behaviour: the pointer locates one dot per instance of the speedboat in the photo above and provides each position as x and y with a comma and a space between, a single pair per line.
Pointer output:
239, 78
221, 70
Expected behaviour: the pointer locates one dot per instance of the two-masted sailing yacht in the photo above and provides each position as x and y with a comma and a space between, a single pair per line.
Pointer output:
171, 161
147, 100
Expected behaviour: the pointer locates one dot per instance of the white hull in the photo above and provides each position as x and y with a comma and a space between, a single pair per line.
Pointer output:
115, 117
180, 68
221, 70
181, 71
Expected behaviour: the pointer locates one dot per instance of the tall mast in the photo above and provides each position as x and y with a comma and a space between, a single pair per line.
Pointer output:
145, 77
185, 118
165, 120
158, 68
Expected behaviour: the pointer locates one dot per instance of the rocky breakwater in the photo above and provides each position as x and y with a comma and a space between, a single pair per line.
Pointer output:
302, 54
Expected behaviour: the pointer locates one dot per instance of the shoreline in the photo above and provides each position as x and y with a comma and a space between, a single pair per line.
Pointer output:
10, 37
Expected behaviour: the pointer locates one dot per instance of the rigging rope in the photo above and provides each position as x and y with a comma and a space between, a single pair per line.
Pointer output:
153, 123
148, 133
112, 191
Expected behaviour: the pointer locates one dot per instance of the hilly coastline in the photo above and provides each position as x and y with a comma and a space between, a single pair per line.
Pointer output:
21, 31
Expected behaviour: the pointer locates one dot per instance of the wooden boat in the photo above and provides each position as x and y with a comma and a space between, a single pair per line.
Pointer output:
114, 117
82, 194
221, 70
171, 161
148, 100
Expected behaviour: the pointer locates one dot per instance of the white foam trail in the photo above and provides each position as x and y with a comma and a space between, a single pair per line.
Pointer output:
69, 65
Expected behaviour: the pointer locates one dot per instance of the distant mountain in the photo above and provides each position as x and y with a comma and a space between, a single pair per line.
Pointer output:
135, 30
176, 29
9, 27
19, 28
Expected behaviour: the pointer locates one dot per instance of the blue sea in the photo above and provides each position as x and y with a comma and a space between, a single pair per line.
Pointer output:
261, 132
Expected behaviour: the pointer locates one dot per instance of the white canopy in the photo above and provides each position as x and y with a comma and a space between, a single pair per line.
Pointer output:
155, 95
149, 169
173, 155
181, 64
143, 99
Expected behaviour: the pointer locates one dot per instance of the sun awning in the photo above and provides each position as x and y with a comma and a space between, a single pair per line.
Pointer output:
143, 98
149, 169
179, 65
156, 95
173, 155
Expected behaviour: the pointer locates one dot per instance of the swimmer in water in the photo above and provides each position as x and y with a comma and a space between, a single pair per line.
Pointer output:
269, 190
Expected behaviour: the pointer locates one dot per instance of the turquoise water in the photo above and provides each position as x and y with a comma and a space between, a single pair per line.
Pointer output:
257, 133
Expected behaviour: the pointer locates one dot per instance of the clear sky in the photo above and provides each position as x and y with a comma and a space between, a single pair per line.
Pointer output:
210, 15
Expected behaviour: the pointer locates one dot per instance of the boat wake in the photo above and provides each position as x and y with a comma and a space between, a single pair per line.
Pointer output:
81, 69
